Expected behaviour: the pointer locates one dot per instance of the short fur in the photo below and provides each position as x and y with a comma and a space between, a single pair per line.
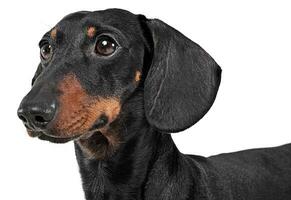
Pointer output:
119, 110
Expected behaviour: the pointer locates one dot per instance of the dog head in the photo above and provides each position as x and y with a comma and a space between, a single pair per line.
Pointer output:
91, 64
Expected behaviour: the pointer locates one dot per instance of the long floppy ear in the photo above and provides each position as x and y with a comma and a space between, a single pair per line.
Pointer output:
182, 81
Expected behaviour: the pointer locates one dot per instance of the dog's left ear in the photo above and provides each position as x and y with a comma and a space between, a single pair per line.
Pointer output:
182, 81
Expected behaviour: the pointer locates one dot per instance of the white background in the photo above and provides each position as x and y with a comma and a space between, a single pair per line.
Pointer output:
251, 41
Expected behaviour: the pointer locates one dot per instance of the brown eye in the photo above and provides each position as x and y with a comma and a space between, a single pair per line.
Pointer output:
105, 46
46, 51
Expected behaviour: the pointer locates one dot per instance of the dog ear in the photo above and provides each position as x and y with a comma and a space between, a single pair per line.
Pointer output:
182, 81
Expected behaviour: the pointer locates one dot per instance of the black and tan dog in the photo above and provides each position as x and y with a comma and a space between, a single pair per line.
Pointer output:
116, 83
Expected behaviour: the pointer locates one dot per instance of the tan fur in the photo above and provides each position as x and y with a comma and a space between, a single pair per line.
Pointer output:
78, 111
137, 76
91, 31
54, 33
96, 149
92, 151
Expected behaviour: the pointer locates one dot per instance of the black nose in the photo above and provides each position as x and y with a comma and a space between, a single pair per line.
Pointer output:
36, 116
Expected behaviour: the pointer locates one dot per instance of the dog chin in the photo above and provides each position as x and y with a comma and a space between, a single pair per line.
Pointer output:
43, 136
55, 139
60, 140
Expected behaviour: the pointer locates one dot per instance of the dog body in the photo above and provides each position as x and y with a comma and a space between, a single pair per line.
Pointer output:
154, 169
117, 84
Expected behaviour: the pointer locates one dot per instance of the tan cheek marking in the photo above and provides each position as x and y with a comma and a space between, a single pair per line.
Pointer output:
91, 31
54, 33
112, 136
78, 111
137, 76
94, 149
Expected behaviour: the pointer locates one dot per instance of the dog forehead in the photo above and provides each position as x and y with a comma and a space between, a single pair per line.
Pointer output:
112, 16
109, 15
122, 20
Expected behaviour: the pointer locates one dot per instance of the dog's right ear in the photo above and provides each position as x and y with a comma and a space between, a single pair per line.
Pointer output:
181, 82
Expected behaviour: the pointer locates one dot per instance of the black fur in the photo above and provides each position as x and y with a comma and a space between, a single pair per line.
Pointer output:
178, 86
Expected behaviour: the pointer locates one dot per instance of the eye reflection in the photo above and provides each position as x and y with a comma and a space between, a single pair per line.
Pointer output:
105, 46
46, 51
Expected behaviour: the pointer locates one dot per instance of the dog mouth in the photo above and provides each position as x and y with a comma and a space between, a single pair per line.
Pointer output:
94, 131
60, 140
46, 135
43, 135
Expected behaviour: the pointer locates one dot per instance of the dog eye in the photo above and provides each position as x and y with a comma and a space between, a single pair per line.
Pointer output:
105, 46
46, 51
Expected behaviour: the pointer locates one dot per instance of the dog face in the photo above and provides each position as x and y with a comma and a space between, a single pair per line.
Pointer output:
92, 62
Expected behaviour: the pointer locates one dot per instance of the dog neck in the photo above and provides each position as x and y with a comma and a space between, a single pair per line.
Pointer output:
125, 174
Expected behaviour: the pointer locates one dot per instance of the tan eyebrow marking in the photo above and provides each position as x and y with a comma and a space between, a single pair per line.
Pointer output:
91, 31
137, 76
54, 33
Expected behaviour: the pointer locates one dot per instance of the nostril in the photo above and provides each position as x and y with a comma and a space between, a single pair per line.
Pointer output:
40, 119
22, 118
36, 116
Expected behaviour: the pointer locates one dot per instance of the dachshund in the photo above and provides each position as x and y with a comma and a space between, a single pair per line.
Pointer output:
116, 84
